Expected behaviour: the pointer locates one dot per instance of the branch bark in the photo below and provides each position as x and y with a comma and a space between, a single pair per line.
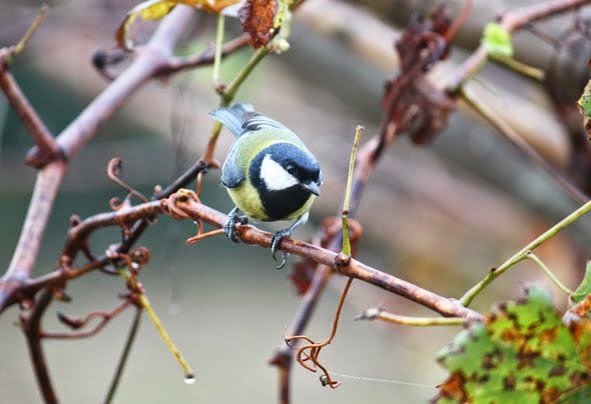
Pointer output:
151, 59
47, 145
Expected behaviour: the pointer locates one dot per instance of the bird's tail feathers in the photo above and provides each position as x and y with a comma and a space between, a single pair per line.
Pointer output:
233, 118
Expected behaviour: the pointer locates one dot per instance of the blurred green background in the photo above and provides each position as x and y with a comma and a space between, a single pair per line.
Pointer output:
436, 216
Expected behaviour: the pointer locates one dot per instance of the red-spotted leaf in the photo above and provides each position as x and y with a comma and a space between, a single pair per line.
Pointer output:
521, 353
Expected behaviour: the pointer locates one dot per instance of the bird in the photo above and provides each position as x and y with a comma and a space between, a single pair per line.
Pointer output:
269, 173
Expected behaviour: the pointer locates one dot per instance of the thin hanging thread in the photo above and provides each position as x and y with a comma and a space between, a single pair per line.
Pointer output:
370, 379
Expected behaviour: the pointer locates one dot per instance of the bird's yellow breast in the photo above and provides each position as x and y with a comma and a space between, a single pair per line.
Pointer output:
247, 199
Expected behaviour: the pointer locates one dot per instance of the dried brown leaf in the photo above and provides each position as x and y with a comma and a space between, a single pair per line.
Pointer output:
258, 20
412, 104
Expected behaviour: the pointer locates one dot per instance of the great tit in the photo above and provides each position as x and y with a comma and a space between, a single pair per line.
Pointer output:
269, 173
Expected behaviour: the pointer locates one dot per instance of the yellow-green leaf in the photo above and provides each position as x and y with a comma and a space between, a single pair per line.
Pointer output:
497, 40
156, 9
585, 287
282, 11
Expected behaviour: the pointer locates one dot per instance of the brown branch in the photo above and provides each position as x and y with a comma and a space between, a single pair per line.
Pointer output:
343, 264
522, 145
104, 317
251, 235
511, 21
27, 249
150, 60
79, 233
206, 58
135, 325
32, 329
48, 147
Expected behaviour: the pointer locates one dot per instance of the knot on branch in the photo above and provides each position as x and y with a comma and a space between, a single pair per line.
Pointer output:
411, 103
303, 271
104, 60
170, 205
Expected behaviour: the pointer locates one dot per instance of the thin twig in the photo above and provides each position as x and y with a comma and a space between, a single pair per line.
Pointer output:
511, 21
179, 63
219, 38
19, 102
105, 317
227, 95
135, 325
507, 130
379, 314
531, 256
522, 254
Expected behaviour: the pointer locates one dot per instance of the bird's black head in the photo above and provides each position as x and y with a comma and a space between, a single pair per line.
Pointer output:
285, 176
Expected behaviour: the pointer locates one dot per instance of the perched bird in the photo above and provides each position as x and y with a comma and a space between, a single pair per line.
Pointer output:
269, 173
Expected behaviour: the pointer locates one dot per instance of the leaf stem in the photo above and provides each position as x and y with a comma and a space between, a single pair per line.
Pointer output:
230, 91
227, 96
530, 255
519, 67
18, 48
143, 301
345, 215
522, 254
219, 39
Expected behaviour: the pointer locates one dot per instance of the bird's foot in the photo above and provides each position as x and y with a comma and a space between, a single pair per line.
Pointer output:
277, 237
234, 218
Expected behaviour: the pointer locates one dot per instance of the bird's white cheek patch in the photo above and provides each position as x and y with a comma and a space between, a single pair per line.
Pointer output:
274, 176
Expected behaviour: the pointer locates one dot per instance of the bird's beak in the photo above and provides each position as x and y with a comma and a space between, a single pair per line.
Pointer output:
311, 187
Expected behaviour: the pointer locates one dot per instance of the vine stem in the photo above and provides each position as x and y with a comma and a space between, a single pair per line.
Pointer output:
379, 314
144, 303
522, 254
227, 96
219, 38
533, 257
347, 203
510, 133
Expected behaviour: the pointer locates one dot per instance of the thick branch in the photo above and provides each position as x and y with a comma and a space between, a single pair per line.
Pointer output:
152, 58
27, 249
349, 267
32, 329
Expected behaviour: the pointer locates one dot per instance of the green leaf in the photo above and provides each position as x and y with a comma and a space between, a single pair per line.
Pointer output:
585, 287
497, 40
521, 352
585, 102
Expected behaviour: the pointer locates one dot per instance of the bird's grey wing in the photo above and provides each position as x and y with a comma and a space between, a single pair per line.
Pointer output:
233, 118
258, 121
232, 174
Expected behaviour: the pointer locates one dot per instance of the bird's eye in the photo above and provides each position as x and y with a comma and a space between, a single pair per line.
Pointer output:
292, 170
